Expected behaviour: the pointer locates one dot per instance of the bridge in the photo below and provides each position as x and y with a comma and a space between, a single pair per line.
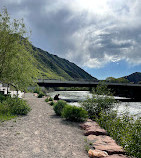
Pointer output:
120, 89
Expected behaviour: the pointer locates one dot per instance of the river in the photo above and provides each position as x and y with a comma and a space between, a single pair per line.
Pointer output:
74, 97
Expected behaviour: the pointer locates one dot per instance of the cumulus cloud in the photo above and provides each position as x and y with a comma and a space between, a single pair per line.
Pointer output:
89, 33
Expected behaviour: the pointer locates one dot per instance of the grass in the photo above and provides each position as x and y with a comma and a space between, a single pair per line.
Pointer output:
88, 145
5, 117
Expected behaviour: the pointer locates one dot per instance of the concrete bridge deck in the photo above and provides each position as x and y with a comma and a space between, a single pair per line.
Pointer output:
120, 89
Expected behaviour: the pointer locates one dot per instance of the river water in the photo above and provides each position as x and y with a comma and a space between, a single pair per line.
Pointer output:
75, 97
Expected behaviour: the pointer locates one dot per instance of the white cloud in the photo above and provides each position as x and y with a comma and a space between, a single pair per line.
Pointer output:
90, 33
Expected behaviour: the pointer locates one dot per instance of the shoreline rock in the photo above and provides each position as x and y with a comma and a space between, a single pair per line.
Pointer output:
104, 145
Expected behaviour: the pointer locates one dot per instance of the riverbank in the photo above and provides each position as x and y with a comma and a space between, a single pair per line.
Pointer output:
41, 134
74, 97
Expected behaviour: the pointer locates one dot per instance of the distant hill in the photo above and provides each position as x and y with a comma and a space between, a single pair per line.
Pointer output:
134, 77
54, 67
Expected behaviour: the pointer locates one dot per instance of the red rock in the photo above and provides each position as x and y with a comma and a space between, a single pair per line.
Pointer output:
89, 120
105, 143
92, 127
117, 156
95, 130
88, 124
97, 153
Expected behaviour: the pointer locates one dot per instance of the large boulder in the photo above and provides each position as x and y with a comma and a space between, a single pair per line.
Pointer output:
89, 123
105, 143
91, 127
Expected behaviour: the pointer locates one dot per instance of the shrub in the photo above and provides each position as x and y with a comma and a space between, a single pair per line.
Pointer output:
73, 113
2, 97
102, 100
124, 129
17, 106
40, 95
46, 100
37, 90
4, 109
40, 91
58, 107
50, 99
51, 103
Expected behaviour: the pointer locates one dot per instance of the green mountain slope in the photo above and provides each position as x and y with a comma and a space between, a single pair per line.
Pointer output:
54, 67
134, 77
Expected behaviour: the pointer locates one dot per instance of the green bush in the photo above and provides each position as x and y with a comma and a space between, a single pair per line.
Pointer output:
4, 108
73, 113
11, 107
124, 129
37, 90
2, 97
102, 100
17, 106
51, 103
50, 99
40, 95
46, 100
58, 107
40, 91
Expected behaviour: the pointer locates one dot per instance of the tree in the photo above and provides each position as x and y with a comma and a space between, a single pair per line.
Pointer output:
17, 65
110, 79
102, 100
117, 80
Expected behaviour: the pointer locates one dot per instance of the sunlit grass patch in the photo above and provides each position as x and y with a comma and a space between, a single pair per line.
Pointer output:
5, 117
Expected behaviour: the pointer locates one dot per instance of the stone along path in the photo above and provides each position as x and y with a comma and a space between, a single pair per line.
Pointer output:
41, 134
103, 145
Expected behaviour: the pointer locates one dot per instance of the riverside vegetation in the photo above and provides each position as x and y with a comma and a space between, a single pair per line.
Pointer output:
12, 107
71, 113
17, 65
123, 128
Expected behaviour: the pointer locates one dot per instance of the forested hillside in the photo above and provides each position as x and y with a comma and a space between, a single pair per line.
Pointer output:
134, 77
54, 67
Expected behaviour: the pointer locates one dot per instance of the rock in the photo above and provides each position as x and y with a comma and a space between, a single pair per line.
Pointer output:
88, 124
97, 153
95, 130
89, 120
35, 94
105, 143
91, 127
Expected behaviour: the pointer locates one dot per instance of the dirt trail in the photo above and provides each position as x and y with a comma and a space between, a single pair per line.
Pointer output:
41, 134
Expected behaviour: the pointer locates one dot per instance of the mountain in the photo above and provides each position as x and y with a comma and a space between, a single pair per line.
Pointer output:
134, 77
54, 67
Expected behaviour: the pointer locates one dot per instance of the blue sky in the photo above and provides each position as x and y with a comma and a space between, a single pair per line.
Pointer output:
113, 69
101, 36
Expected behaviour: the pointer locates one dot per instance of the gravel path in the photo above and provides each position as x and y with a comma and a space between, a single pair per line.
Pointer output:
41, 134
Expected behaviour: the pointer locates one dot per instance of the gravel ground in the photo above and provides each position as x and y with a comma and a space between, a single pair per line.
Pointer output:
41, 134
